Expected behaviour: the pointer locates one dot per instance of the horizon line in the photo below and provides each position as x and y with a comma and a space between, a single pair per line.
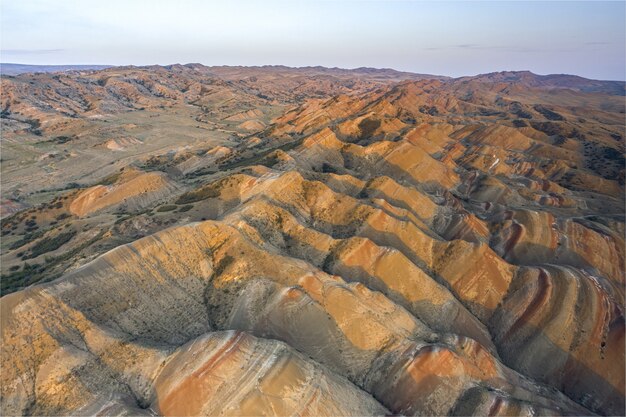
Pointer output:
106, 66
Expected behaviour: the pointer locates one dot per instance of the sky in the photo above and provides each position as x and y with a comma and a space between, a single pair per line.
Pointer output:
444, 38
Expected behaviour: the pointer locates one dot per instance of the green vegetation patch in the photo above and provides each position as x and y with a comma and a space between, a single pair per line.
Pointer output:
367, 127
547, 113
208, 191
36, 273
167, 207
27, 238
49, 244
110, 179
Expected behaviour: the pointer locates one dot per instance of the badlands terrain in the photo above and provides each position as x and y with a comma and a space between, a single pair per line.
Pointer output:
191, 240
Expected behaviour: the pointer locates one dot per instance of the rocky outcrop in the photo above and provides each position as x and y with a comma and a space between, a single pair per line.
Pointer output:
131, 191
428, 247
103, 332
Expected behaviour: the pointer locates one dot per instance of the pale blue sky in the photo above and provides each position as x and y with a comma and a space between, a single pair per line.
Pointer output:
449, 38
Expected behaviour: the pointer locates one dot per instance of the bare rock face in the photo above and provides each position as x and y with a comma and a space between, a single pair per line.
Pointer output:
131, 192
235, 374
419, 247
348, 328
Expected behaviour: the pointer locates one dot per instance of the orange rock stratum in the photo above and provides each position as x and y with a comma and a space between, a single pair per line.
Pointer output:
191, 240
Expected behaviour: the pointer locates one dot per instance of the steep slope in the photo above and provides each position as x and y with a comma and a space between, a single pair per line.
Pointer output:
422, 247
104, 325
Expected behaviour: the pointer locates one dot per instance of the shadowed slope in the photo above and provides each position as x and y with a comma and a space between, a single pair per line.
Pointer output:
423, 247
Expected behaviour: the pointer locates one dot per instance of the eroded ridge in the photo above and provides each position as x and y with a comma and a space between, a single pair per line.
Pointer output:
431, 247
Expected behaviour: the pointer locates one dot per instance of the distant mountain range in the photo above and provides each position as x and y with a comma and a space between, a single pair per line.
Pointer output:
16, 69
523, 77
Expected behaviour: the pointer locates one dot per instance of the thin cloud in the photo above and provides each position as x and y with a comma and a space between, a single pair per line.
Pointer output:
30, 51
505, 48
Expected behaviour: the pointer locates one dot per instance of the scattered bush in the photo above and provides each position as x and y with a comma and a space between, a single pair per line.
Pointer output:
48, 244
28, 237
519, 123
35, 273
547, 113
63, 139
167, 207
110, 179
63, 216
208, 191
367, 127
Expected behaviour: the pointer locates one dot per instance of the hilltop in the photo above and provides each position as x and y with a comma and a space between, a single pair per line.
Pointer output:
191, 240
